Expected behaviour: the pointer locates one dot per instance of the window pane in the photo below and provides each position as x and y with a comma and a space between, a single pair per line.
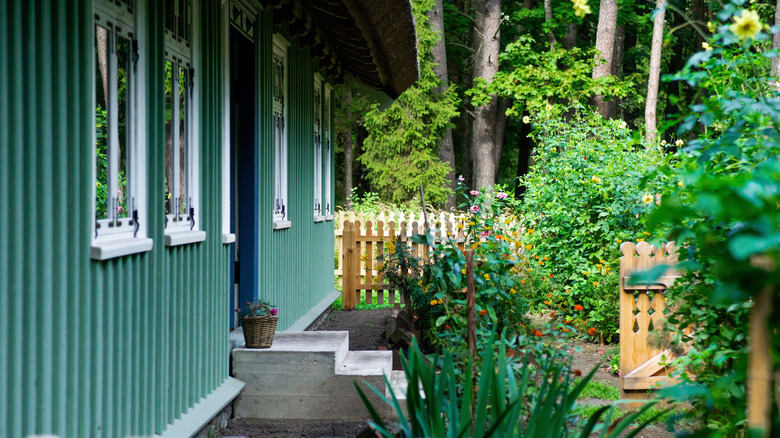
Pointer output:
170, 19
101, 121
123, 50
184, 20
168, 139
184, 81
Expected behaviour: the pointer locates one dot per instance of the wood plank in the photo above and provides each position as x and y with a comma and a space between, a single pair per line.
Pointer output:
652, 366
645, 383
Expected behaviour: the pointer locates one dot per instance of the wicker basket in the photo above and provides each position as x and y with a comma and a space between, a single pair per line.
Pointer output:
259, 330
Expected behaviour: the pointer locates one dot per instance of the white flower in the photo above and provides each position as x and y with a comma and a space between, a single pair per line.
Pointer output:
526, 120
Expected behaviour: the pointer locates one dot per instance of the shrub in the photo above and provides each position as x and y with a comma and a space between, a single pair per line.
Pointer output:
582, 200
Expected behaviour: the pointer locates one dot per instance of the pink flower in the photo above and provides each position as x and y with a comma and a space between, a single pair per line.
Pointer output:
119, 209
474, 208
274, 311
501, 195
461, 179
474, 193
603, 351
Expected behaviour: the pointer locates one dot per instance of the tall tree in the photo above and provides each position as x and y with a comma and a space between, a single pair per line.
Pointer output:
486, 144
651, 102
446, 145
775, 71
605, 44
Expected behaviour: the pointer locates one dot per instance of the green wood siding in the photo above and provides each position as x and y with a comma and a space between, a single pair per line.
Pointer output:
87, 348
295, 264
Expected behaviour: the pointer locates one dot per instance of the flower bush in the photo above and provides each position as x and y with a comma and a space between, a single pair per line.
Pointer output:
257, 308
724, 211
583, 199
491, 230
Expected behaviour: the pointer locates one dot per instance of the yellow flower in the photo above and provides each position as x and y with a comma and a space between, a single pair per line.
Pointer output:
747, 25
434, 302
619, 240
529, 246
596, 179
647, 198
472, 223
602, 261
595, 283
419, 283
680, 184
706, 46
640, 240
585, 273
460, 226
646, 233
530, 231
711, 26
487, 277
581, 8
463, 271
512, 290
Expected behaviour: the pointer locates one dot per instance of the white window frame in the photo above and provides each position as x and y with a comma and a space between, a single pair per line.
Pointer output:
317, 148
281, 207
227, 236
182, 229
327, 202
117, 237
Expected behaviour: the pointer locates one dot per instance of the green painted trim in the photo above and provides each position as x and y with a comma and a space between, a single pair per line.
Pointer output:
200, 414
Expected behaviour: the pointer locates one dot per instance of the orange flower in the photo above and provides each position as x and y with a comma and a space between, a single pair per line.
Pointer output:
547, 302
446, 326
522, 281
482, 312
592, 331
579, 308
551, 276
537, 333
577, 373
549, 295
552, 314
565, 330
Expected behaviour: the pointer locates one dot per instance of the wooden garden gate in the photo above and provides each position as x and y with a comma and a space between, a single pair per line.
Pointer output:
643, 310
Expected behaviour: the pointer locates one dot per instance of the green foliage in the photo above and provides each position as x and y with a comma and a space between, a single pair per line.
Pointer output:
503, 401
491, 231
723, 210
369, 203
599, 390
401, 150
582, 201
543, 80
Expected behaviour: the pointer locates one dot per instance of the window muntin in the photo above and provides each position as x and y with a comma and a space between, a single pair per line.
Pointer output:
115, 51
328, 154
280, 200
318, 201
180, 145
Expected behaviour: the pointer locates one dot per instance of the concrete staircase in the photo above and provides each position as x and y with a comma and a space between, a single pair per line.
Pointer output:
309, 376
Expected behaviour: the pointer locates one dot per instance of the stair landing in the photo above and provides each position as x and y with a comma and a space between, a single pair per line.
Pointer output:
310, 376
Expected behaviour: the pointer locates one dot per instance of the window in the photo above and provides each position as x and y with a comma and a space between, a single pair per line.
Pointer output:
119, 161
181, 175
281, 217
326, 201
318, 200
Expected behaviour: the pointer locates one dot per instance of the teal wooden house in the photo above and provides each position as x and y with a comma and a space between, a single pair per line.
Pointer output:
160, 162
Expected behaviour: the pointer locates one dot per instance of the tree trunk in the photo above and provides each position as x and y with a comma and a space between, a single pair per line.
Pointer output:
486, 42
446, 145
775, 70
651, 104
548, 15
605, 44
570, 39
524, 146
348, 158
617, 66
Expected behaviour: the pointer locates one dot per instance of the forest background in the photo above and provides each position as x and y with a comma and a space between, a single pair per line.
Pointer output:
488, 68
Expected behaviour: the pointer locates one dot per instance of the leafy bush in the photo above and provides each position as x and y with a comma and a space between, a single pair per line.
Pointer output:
583, 199
724, 210
491, 231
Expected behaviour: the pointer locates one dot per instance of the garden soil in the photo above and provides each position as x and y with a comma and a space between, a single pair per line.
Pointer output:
367, 332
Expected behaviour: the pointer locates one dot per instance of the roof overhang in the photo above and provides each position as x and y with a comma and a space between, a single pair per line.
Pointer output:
374, 40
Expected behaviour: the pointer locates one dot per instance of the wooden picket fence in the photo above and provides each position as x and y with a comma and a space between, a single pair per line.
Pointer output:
361, 239
643, 310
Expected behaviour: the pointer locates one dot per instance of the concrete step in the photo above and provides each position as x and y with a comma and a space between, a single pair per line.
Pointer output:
309, 376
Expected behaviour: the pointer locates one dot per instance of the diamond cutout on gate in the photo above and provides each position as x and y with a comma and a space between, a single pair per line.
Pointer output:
635, 311
651, 311
650, 326
666, 311
636, 326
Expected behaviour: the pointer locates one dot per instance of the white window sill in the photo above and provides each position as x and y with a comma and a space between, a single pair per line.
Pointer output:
183, 237
228, 238
319, 218
119, 247
281, 225
328, 217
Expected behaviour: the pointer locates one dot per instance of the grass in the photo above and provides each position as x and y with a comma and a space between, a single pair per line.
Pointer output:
599, 390
361, 305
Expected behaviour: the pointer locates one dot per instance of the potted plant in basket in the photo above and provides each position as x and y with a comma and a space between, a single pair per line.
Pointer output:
259, 318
